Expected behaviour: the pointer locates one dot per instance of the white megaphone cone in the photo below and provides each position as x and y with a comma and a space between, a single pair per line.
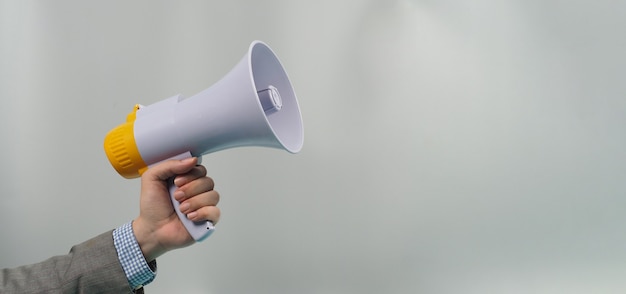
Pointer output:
253, 105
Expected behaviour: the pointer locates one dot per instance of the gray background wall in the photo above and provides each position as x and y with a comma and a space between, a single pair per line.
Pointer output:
450, 146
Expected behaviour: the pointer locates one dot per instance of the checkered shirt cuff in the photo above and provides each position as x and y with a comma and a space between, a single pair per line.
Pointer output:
137, 270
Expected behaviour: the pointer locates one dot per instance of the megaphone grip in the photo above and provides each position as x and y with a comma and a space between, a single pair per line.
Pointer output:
198, 230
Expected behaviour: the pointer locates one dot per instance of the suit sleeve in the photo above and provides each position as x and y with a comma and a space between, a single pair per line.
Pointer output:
90, 267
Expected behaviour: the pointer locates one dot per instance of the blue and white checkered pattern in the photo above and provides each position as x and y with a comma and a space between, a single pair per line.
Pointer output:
134, 264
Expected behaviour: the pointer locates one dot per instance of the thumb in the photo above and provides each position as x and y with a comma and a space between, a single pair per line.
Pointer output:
168, 169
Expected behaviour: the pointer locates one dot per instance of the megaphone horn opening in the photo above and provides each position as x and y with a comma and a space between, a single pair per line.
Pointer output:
276, 97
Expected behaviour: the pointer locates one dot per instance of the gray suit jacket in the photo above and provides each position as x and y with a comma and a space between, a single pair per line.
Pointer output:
90, 267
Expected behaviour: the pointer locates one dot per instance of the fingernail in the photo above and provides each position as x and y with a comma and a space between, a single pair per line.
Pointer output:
188, 160
192, 215
184, 207
179, 195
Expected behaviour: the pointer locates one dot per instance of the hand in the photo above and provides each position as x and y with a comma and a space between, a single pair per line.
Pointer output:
158, 228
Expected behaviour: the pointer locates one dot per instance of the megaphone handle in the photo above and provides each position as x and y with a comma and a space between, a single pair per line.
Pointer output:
198, 230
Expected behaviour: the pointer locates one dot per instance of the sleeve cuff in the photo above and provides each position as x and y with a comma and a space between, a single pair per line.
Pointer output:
138, 271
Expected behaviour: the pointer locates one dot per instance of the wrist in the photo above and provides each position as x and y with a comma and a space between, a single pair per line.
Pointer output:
148, 243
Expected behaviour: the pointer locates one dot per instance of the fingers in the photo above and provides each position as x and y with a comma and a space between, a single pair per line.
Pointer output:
196, 172
195, 187
171, 168
202, 207
210, 213
197, 198
204, 213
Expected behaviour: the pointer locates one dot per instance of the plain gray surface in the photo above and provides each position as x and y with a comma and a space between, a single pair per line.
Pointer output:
450, 146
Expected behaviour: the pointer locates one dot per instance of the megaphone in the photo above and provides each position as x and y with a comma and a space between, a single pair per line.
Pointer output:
253, 105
